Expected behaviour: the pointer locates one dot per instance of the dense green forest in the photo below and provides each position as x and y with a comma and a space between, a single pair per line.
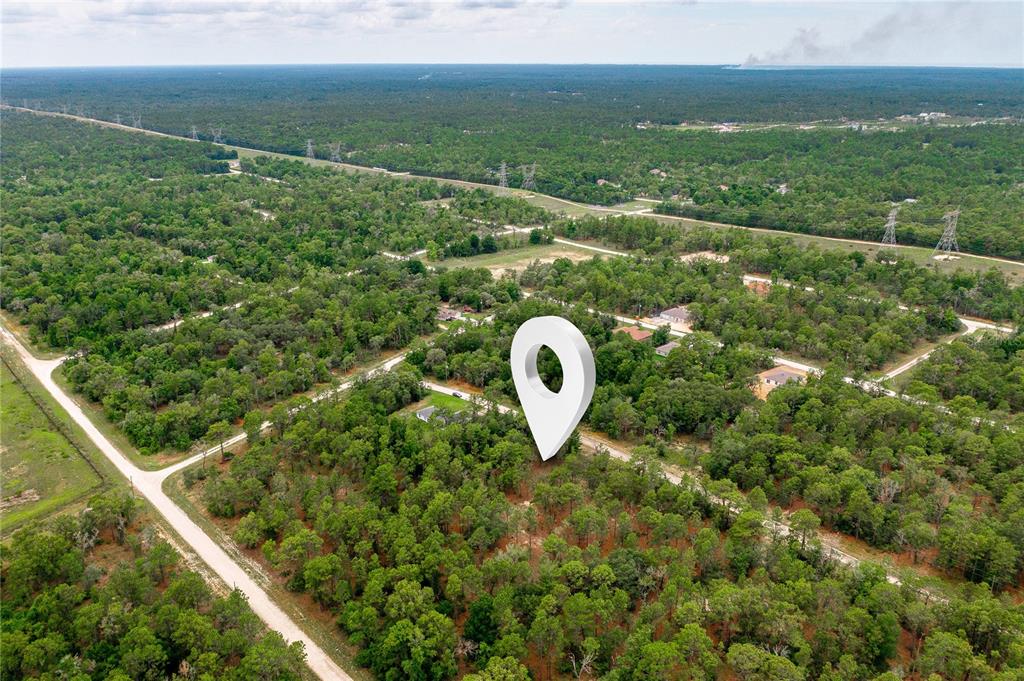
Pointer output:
699, 388
101, 596
826, 323
898, 475
94, 246
447, 548
986, 295
986, 370
585, 124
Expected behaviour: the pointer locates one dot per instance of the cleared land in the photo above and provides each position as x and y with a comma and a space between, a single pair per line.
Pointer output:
42, 470
517, 259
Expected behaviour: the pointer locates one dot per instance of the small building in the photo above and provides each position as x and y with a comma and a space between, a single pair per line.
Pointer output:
663, 350
635, 332
447, 314
676, 315
759, 287
427, 414
779, 374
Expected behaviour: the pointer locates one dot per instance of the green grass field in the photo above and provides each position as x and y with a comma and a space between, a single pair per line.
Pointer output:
37, 462
517, 258
443, 401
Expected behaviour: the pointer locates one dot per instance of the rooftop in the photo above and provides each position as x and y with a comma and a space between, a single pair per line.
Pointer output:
663, 350
635, 332
781, 374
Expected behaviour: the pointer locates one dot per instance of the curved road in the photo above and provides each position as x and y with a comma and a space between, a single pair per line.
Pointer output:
150, 485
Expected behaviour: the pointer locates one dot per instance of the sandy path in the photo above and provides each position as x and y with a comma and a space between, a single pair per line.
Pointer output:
150, 485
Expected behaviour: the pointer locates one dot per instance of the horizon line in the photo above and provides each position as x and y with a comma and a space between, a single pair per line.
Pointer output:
725, 65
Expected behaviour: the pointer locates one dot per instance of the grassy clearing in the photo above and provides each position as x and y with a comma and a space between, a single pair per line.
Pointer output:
922, 256
442, 401
42, 470
518, 258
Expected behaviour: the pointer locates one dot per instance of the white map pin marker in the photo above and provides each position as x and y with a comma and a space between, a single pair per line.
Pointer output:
552, 416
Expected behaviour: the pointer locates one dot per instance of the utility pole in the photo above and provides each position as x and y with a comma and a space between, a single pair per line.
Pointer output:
194, 134
503, 175
335, 148
948, 244
528, 175
310, 150
889, 239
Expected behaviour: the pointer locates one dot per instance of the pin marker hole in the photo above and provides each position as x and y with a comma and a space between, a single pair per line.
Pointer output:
550, 369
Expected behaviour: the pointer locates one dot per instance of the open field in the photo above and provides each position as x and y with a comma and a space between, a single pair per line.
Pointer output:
922, 256
442, 401
42, 470
518, 259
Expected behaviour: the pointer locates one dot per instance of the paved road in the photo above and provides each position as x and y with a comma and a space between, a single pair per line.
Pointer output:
150, 485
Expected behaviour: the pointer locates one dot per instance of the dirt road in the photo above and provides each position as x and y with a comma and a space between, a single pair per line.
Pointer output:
150, 485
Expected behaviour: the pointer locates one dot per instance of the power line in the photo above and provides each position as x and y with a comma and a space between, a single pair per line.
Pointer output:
335, 148
528, 174
889, 238
947, 243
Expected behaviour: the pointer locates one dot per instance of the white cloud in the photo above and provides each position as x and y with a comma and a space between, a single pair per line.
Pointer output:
94, 32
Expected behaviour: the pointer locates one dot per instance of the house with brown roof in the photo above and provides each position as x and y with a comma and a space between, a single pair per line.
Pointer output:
635, 332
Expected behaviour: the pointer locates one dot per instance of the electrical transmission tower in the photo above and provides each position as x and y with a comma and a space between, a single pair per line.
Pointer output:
117, 118
310, 149
528, 174
889, 238
503, 175
947, 244
335, 148
194, 134
137, 120
80, 111
216, 134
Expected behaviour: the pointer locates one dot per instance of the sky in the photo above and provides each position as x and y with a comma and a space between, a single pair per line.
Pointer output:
754, 32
